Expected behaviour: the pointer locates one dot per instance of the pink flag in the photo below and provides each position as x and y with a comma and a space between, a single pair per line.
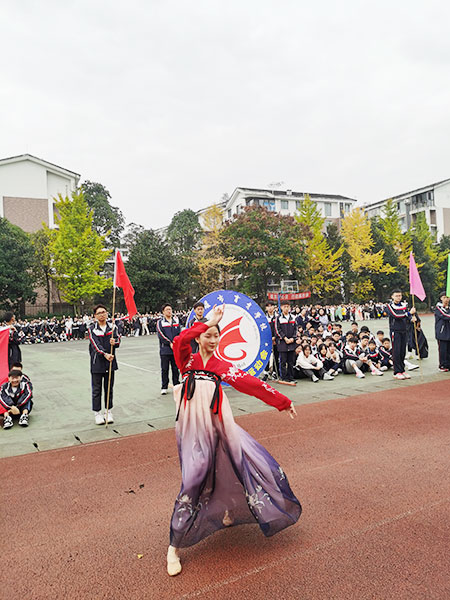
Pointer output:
4, 341
415, 283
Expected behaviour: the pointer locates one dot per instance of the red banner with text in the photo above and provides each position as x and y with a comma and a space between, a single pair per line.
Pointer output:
289, 295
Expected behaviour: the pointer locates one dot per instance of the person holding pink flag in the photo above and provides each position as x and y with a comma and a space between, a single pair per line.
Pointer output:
399, 318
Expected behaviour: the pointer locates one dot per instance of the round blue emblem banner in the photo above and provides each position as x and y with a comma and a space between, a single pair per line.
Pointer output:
245, 336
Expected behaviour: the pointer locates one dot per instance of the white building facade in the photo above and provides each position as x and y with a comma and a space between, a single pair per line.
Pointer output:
287, 202
433, 200
28, 186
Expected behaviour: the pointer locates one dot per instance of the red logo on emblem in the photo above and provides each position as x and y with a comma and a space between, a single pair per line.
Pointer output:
230, 335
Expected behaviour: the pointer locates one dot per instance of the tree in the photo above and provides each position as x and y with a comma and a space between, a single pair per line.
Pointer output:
214, 259
78, 252
323, 272
156, 273
107, 220
358, 243
16, 267
132, 233
43, 259
444, 251
428, 257
265, 246
184, 233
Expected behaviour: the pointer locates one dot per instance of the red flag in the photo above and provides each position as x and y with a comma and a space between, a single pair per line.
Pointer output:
121, 280
4, 341
415, 283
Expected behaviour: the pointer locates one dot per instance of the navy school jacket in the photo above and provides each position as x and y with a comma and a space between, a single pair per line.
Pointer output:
8, 398
398, 316
167, 332
285, 327
442, 322
100, 344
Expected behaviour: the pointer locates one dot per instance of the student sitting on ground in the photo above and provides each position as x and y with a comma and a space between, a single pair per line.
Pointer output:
379, 339
386, 354
364, 357
352, 362
333, 361
15, 399
310, 366
18, 366
374, 355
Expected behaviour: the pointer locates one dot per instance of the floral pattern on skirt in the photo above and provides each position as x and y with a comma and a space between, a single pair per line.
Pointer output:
224, 468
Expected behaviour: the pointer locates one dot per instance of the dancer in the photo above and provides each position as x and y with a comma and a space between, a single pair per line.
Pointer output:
227, 477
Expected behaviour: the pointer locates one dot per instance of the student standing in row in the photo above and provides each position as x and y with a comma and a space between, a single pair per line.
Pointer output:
102, 350
286, 333
399, 316
14, 352
442, 330
199, 311
167, 327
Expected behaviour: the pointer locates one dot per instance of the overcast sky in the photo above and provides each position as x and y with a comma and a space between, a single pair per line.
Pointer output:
171, 103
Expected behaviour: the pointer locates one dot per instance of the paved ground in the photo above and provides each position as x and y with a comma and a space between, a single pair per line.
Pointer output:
62, 415
371, 471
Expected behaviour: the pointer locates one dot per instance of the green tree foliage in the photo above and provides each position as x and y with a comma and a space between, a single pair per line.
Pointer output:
43, 259
213, 259
265, 246
107, 220
444, 251
387, 235
78, 251
428, 257
358, 242
156, 273
323, 272
16, 266
184, 233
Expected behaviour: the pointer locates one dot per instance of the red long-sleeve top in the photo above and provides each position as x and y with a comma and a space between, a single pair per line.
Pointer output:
240, 380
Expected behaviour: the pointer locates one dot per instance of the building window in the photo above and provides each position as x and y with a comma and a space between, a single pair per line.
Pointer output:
269, 204
229, 213
298, 204
433, 217
285, 205
348, 207
327, 209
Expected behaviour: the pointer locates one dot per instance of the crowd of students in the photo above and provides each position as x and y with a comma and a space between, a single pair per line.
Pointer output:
311, 342
307, 344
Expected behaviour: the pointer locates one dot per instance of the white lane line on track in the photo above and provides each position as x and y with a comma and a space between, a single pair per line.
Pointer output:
328, 544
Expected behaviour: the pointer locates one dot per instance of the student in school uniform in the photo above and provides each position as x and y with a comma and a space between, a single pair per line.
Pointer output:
199, 311
104, 339
167, 328
442, 331
399, 316
286, 334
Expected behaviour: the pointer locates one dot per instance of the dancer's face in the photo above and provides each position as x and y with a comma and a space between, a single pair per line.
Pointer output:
208, 341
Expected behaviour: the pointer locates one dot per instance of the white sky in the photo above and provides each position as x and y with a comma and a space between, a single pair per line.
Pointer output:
171, 103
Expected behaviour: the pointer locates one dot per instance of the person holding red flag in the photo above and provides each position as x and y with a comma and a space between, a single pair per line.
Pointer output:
102, 352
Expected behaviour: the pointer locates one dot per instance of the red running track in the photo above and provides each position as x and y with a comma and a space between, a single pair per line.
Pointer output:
372, 473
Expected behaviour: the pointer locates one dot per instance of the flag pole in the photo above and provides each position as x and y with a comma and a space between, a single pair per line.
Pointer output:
112, 336
417, 343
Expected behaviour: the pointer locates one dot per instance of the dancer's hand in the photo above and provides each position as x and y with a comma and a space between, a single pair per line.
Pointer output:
291, 411
215, 315
413, 310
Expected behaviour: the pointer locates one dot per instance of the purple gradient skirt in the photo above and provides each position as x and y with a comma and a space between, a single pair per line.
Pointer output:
224, 468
